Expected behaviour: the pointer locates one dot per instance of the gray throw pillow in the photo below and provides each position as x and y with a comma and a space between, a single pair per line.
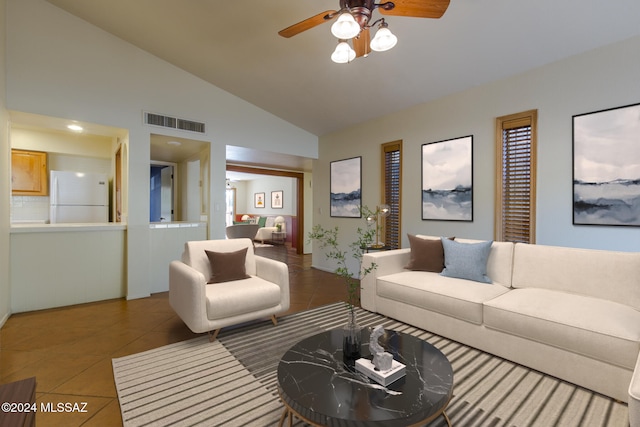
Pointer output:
466, 260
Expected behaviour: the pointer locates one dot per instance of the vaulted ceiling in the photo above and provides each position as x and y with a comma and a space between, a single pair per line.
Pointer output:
235, 45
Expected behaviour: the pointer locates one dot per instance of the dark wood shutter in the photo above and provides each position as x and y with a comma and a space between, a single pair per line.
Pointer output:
517, 182
392, 183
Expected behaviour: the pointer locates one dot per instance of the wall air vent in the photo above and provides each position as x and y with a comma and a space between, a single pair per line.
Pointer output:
191, 126
173, 122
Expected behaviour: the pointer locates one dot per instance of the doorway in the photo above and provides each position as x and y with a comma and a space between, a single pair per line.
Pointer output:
298, 223
189, 159
161, 186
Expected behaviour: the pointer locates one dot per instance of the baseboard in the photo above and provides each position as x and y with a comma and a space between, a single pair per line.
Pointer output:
130, 297
328, 270
4, 319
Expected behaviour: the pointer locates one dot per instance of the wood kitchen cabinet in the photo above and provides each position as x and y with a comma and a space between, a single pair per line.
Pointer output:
28, 173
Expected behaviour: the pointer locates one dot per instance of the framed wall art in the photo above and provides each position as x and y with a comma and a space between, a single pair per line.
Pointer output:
447, 180
606, 167
346, 188
258, 200
276, 199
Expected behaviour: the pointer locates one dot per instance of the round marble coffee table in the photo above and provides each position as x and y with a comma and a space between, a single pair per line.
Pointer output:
316, 386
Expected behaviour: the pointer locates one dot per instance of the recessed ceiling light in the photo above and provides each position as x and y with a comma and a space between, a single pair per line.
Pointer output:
75, 128
174, 143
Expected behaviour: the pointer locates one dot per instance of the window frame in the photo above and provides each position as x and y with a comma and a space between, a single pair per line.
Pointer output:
388, 148
514, 121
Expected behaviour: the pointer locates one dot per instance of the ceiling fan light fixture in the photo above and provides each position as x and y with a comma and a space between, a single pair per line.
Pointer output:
345, 27
384, 39
343, 53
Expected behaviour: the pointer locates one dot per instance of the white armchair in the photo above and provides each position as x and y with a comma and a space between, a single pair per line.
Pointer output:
208, 307
271, 226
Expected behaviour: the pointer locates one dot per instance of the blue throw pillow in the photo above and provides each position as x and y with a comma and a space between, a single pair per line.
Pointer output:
466, 260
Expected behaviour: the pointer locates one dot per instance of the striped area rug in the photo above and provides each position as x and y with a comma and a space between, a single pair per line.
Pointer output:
232, 382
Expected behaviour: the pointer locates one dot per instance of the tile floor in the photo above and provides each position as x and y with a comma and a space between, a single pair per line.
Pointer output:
69, 350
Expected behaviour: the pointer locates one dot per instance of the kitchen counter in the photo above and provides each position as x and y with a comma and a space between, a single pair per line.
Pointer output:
80, 263
167, 241
177, 224
36, 227
56, 265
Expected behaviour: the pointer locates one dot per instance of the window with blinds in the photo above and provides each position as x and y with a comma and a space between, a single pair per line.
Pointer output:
391, 187
516, 179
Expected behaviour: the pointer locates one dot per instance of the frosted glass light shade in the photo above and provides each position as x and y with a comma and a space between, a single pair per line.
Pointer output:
343, 53
383, 40
345, 27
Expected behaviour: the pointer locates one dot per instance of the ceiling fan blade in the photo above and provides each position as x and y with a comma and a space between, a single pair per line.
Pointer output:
361, 43
417, 8
308, 23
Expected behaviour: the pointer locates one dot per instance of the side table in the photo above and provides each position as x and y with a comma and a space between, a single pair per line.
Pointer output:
279, 237
19, 392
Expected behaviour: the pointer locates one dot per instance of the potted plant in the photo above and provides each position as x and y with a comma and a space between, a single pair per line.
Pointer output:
327, 238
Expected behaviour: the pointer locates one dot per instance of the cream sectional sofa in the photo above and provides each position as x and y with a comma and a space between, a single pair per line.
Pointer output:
571, 313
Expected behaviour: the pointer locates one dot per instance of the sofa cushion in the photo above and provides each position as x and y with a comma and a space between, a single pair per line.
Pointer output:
227, 266
458, 298
240, 297
262, 221
598, 273
194, 254
466, 260
500, 262
426, 254
597, 328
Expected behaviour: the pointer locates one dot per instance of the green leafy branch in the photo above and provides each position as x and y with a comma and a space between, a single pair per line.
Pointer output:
327, 238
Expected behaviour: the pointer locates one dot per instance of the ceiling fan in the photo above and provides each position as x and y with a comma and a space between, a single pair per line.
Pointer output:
354, 22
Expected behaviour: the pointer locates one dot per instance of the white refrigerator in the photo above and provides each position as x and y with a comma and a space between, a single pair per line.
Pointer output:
78, 197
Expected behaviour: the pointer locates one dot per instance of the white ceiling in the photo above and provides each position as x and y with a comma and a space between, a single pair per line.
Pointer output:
40, 122
235, 46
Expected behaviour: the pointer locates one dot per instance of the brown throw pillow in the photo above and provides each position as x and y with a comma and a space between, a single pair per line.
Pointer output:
227, 266
426, 254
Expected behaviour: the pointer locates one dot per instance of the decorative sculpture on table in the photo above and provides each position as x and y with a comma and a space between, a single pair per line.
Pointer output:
381, 359
383, 369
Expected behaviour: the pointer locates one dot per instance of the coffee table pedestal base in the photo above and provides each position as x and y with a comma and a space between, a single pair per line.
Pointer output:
289, 413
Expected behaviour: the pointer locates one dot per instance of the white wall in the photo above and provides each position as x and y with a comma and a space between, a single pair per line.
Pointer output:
5, 187
241, 199
599, 79
266, 185
58, 65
